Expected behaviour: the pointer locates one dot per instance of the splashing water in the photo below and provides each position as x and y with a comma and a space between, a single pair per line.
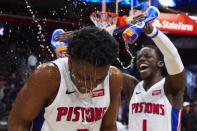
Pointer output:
131, 61
40, 35
35, 20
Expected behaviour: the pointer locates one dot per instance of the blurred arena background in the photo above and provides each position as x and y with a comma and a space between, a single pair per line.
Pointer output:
26, 27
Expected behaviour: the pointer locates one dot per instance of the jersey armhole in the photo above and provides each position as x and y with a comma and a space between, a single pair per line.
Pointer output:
108, 90
57, 96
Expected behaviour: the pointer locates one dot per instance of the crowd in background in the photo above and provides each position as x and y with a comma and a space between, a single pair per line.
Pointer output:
189, 116
20, 54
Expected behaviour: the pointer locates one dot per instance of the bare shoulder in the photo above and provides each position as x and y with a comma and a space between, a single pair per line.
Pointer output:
46, 67
116, 79
46, 70
115, 75
109, 120
43, 83
47, 76
34, 96
129, 79
114, 71
129, 83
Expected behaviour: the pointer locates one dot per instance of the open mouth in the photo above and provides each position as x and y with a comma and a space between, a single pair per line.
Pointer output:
143, 68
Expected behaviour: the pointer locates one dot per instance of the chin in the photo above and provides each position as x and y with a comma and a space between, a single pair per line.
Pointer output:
144, 76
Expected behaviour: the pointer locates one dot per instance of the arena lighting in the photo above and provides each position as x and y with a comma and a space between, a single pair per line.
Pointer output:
168, 3
96, 1
123, 2
1, 31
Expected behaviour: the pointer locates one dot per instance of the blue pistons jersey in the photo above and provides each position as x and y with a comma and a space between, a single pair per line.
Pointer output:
69, 112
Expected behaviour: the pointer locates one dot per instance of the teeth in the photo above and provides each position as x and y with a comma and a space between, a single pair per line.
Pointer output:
143, 66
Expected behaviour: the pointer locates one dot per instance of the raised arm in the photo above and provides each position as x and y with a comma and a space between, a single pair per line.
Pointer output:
109, 120
33, 97
174, 85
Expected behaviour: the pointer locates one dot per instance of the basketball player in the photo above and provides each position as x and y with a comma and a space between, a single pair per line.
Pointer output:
156, 101
78, 93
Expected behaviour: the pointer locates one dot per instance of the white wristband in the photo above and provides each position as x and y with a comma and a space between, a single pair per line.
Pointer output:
154, 33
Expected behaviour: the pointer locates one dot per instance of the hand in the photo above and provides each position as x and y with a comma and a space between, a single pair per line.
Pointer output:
138, 18
58, 39
147, 17
151, 14
64, 36
148, 29
56, 33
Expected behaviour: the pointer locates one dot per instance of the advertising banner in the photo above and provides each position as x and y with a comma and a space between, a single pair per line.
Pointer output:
176, 24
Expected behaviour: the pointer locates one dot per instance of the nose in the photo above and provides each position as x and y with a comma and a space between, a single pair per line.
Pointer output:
141, 59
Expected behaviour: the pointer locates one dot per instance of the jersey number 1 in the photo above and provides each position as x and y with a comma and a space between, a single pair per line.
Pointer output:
144, 125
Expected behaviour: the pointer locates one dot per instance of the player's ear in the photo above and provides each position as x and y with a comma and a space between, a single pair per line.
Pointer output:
160, 64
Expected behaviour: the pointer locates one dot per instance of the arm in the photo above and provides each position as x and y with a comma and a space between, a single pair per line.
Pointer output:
129, 83
109, 120
174, 85
33, 97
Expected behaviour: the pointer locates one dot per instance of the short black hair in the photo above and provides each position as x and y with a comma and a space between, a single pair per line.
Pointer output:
93, 45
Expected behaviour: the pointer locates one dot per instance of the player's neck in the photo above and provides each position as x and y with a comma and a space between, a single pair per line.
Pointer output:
151, 81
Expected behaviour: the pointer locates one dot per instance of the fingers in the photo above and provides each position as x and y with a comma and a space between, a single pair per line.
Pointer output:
138, 18
65, 36
148, 28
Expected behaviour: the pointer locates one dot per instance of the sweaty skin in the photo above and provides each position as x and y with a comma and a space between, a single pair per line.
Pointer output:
41, 89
